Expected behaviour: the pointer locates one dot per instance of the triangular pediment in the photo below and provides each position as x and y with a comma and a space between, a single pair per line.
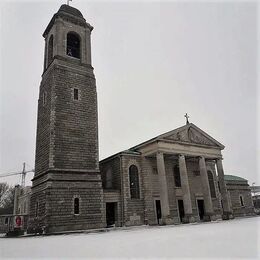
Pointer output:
191, 134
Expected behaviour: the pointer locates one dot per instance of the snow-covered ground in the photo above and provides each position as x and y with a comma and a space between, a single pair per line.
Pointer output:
238, 238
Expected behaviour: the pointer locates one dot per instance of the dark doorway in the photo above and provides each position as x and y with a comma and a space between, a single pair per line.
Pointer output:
111, 214
181, 210
201, 208
158, 210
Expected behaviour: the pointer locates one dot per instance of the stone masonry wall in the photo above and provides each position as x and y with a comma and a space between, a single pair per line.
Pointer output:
236, 190
43, 125
75, 140
133, 208
113, 165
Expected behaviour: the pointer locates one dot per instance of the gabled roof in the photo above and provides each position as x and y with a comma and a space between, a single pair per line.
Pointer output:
188, 133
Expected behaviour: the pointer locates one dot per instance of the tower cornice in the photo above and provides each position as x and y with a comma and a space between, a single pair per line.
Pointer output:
66, 14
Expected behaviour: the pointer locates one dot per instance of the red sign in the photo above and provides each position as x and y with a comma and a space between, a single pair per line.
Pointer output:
18, 221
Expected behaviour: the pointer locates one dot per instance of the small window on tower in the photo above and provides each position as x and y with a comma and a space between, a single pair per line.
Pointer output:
44, 98
76, 94
76, 206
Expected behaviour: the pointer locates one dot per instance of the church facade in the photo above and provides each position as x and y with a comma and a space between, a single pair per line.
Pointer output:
174, 178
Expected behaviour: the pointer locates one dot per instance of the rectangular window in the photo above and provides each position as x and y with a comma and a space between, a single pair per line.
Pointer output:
241, 201
76, 94
76, 206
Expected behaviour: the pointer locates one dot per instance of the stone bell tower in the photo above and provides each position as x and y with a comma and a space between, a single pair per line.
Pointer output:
67, 191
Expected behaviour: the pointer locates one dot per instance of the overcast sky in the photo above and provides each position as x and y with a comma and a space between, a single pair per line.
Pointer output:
153, 61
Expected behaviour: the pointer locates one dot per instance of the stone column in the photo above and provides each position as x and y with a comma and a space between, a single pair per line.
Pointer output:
227, 212
185, 190
206, 189
163, 189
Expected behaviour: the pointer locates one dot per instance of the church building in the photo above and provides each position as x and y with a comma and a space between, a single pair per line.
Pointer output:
176, 177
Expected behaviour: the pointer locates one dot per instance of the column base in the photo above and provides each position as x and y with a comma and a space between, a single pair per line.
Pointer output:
188, 219
167, 221
227, 215
207, 217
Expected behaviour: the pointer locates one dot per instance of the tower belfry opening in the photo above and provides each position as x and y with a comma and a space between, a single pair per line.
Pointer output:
73, 45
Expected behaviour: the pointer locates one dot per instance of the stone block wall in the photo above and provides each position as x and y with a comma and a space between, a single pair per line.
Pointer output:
74, 137
112, 165
55, 199
133, 208
150, 189
236, 190
44, 125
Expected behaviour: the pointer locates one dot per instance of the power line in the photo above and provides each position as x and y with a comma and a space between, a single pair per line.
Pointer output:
22, 173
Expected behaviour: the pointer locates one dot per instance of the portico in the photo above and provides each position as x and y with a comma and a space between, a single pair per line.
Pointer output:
174, 178
188, 143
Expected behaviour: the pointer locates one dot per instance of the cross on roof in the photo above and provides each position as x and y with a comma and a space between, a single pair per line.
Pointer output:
68, 2
187, 118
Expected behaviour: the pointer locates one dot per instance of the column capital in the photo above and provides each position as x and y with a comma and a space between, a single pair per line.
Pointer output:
159, 153
181, 155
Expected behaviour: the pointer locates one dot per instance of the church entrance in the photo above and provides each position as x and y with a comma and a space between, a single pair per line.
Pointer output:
181, 210
201, 208
111, 213
158, 211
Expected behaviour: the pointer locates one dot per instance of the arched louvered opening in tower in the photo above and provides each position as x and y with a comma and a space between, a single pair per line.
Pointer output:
73, 45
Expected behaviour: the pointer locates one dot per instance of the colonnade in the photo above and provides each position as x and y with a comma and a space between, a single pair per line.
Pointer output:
189, 217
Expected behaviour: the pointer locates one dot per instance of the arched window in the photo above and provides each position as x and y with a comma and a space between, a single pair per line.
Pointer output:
211, 185
50, 50
177, 176
134, 182
109, 179
76, 206
73, 45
